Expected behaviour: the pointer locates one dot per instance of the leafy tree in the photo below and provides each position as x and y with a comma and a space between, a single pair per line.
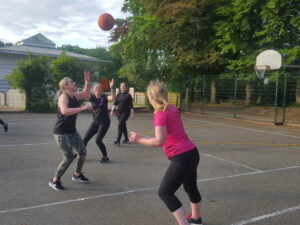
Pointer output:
32, 76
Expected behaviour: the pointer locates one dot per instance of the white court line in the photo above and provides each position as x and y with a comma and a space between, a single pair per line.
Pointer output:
267, 215
231, 162
137, 190
15, 145
244, 128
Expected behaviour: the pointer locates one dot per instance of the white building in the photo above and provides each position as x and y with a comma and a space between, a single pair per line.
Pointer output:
36, 45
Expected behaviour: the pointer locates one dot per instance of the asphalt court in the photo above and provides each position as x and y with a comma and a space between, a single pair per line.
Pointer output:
248, 174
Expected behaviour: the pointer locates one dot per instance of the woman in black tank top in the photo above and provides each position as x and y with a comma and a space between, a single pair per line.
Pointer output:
101, 120
65, 133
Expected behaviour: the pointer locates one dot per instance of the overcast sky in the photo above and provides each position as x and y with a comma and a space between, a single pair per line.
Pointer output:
62, 21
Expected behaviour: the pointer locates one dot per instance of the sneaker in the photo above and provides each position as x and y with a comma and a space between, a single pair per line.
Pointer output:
195, 222
56, 185
104, 159
116, 143
126, 141
81, 178
5, 127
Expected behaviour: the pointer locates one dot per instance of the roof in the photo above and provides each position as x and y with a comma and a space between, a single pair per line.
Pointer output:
51, 52
41, 45
37, 40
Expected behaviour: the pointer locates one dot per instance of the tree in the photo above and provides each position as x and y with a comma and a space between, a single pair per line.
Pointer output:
247, 28
32, 76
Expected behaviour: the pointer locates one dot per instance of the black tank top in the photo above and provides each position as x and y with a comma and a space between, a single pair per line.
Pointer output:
100, 108
66, 124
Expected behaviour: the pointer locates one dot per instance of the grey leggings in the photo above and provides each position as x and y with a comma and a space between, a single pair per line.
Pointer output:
66, 143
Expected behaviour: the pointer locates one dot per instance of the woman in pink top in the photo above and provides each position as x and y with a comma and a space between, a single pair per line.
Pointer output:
179, 149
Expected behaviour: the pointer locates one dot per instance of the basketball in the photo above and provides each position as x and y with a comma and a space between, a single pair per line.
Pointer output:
106, 21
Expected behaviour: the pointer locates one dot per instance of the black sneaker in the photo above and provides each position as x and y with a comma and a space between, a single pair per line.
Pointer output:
195, 222
104, 159
81, 178
126, 141
116, 143
5, 127
56, 185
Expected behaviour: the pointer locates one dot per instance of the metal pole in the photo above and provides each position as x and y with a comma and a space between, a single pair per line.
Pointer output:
189, 97
203, 94
234, 98
284, 98
276, 97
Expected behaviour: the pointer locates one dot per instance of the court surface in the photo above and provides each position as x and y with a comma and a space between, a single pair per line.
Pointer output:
248, 174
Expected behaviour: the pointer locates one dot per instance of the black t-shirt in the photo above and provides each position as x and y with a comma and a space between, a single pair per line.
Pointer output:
100, 108
66, 124
124, 102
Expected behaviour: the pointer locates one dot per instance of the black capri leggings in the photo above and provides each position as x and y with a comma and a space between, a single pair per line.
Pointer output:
122, 128
101, 129
182, 170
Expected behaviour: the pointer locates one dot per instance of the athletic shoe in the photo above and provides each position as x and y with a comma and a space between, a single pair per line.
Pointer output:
81, 178
126, 141
104, 159
5, 127
195, 222
56, 185
116, 143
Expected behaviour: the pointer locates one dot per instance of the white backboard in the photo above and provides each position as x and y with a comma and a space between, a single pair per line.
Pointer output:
269, 58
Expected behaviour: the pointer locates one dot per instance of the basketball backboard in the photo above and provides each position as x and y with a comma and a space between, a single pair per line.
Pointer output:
270, 58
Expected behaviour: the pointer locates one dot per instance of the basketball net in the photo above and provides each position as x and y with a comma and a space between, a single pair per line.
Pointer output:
260, 70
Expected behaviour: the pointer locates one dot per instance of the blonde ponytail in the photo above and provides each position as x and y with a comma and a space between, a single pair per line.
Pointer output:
160, 95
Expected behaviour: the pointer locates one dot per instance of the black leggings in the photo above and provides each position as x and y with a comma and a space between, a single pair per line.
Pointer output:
122, 128
182, 170
1, 122
101, 129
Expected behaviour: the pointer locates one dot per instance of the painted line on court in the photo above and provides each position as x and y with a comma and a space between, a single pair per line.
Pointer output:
76, 200
245, 128
243, 143
259, 218
16, 145
231, 162
138, 190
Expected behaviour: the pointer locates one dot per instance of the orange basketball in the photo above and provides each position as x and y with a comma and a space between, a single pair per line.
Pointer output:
106, 21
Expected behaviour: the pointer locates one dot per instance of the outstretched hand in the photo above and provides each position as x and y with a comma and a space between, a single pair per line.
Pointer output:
86, 107
111, 83
87, 76
134, 137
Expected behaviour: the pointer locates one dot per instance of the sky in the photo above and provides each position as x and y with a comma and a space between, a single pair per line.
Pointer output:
62, 21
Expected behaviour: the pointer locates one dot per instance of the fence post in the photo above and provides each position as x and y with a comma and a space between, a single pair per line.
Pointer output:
235, 93
284, 98
276, 98
189, 97
203, 94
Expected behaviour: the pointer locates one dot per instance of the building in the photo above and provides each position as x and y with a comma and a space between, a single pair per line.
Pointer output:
36, 45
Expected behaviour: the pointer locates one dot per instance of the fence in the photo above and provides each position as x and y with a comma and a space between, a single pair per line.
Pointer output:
275, 99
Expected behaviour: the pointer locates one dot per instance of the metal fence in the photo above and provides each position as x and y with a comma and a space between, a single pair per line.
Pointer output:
275, 99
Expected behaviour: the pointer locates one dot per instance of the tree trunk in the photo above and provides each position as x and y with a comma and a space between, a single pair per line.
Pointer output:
248, 94
298, 90
213, 93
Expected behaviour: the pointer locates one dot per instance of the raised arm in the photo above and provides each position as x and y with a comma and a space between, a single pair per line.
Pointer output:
112, 96
85, 94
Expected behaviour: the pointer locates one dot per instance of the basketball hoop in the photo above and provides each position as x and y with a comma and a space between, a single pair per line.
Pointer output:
260, 70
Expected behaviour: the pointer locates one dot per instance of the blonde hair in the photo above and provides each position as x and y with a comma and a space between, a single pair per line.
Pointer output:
62, 84
159, 93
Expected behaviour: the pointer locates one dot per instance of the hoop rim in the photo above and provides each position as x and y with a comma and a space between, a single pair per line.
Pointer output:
262, 67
